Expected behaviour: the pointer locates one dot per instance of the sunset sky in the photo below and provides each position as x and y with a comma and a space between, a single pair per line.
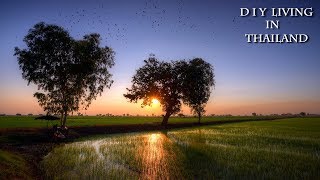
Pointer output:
261, 78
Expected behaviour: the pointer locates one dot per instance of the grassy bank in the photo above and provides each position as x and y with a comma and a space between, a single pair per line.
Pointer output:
7, 122
29, 142
14, 166
279, 149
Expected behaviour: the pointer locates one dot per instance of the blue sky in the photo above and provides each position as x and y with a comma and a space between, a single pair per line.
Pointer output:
266, 78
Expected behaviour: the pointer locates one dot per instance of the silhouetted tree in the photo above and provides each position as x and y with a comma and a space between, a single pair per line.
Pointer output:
172, 82
68, 72
198, 80
158, 80
303, 114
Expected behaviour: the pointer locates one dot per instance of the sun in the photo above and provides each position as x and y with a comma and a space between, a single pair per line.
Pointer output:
155, 101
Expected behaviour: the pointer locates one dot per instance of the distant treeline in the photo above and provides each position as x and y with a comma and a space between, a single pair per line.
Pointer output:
302, 114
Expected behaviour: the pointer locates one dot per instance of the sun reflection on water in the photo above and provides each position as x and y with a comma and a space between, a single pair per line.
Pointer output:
132, 156
153, 138
154, 160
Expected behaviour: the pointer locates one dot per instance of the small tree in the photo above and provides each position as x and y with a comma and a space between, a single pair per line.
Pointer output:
158, 80
69, 72
198, 79
303, 114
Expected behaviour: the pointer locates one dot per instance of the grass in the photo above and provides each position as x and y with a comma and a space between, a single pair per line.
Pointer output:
13, 166
73, 121
279, 149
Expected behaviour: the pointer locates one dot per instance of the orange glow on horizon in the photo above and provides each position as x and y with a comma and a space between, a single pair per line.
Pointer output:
113, 102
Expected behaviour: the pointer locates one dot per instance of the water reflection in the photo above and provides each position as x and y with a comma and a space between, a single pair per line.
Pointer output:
131, 156
154, 157
153, 138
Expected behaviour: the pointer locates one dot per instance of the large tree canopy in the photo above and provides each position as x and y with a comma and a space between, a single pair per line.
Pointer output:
68, 72
172, 83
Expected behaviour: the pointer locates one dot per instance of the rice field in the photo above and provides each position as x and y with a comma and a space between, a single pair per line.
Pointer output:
7, 122
279, 149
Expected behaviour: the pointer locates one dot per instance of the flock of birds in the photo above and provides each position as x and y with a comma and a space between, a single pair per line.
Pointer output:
153, 14
92, 19
150, 13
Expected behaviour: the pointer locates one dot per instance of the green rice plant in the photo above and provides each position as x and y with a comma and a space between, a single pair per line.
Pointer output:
7, 122
280, 149
14, 165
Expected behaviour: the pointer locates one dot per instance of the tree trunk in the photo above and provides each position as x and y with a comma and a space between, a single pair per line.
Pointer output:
64, 119
199, 117
165, 119
61, 118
